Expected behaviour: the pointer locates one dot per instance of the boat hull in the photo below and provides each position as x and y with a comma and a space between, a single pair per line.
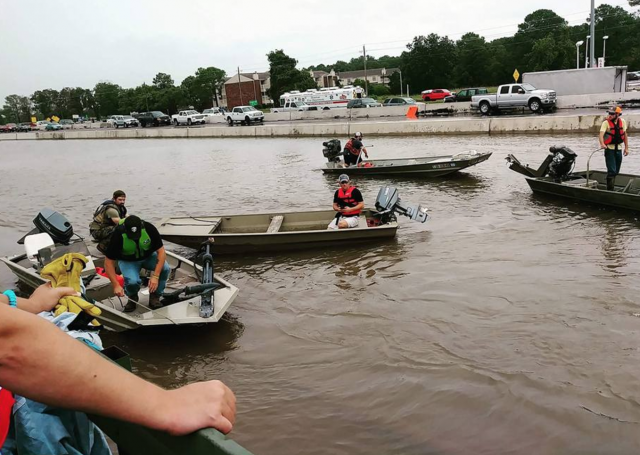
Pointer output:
625, 196
413, 167
238, 234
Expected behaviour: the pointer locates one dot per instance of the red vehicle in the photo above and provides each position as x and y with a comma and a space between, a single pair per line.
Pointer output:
435, 94
8, 128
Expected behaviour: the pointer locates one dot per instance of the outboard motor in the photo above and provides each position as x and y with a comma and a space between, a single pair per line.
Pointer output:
562, 163
558, 164
332, 150
388, 203
54, 224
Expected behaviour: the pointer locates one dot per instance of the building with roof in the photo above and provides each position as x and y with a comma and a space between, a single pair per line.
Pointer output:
240, 89
324, 79
374, 76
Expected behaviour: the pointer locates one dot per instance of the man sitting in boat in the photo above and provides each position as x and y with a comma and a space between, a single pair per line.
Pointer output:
353, 148
106, 217
137, 245
348, 202
613, 133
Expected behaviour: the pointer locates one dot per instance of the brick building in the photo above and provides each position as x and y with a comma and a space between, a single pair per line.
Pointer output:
238, 91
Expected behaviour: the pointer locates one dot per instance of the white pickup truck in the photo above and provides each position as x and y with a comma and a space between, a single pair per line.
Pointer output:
244, 115
189, 117
294, 106
513, 96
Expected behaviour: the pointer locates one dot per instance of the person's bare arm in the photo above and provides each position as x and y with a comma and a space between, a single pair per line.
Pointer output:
626, 143
336, 207
42, 363
115, 220
110, 269
153, 282
44, 298
601, 139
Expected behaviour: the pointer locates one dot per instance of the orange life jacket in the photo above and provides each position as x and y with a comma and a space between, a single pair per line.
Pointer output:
349, 146
348, 200
616, 133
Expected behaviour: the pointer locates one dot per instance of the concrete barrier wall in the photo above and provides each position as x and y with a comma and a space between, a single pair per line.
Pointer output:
549, 124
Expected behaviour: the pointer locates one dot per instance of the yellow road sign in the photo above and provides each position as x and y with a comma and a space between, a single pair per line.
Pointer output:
55, 118
516, 75
34, 120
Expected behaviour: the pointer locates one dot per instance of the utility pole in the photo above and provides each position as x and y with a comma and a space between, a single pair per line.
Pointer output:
364, 57
592, 51
239, 87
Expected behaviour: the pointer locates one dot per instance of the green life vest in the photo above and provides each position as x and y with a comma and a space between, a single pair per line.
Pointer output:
132, 250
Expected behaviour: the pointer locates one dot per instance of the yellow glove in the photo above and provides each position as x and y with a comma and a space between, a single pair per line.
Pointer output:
75, 304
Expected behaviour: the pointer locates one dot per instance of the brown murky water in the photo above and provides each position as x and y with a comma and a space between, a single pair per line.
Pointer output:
508, 323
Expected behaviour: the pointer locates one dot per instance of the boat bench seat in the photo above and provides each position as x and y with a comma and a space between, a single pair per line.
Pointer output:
632, 186
276, 224
362, 221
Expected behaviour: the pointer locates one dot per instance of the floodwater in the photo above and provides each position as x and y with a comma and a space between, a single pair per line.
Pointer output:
507, 323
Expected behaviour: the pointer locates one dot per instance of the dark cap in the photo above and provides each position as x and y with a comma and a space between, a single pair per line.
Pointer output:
133, 227
343, 178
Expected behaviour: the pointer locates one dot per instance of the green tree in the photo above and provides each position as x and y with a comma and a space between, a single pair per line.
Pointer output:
207, 86
429, 62
45, 102
474, 61
162, 81
536, 26
17, 108
106, 99
285, 76
551, 53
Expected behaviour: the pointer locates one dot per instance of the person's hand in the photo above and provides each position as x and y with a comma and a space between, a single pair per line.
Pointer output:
199, 405
626, 152
118, 291
153, 284
45, 297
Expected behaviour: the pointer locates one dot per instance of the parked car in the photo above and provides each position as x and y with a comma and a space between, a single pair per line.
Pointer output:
42, 124
294, 106
129, 121
511, 96
633, 75
213, 112
53, 127
188, 117
8, 128
465, 94
244, 115
153, 118
362, 103
66, 123
435, 94
23, 127
398, 101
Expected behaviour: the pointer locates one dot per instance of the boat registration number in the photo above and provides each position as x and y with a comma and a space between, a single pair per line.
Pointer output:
442, 166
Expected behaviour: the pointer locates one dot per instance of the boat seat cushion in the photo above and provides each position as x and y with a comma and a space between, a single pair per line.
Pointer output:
276, 223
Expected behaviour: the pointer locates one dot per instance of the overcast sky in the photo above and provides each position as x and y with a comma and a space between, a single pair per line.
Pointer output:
53, 44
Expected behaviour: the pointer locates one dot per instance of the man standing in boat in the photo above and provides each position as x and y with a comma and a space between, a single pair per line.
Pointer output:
613, 133
106, 217
348, 202
353, 148
137, 245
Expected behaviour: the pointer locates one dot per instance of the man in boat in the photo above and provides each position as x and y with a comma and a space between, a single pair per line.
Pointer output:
613, 133
348, 202
352, 150
44, 364
136, 245
106, 217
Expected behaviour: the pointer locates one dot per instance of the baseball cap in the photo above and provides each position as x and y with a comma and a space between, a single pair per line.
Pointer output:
343, 178
358, 134
133, 227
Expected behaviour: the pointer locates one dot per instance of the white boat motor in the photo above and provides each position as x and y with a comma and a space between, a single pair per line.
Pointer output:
558, 164
388, 203
332, 150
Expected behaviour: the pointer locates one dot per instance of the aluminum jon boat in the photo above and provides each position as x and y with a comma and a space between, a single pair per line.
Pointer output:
555, 177
277, 232
429, 166
194, 295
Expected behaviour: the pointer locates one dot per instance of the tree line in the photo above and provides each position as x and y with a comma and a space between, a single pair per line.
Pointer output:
544, 41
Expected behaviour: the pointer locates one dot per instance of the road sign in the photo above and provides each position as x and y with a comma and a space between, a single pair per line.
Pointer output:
253, 103
516, 75
55, 118
34, 120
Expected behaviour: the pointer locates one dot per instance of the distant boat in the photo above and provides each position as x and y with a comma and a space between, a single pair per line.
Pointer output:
428, 166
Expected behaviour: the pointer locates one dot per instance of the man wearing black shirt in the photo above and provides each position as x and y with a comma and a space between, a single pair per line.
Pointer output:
136, 244
348, 202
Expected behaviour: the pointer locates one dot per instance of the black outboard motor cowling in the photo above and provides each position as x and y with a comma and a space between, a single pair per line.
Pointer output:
562, 163
332, 150
54, 224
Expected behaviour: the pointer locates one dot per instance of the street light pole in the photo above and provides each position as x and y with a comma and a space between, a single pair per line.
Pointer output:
592, 51
586, 53
604, 48
578, 44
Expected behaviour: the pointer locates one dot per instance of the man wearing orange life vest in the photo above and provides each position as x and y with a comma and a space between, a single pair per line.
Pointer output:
613, 133
353, 148
348, 202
